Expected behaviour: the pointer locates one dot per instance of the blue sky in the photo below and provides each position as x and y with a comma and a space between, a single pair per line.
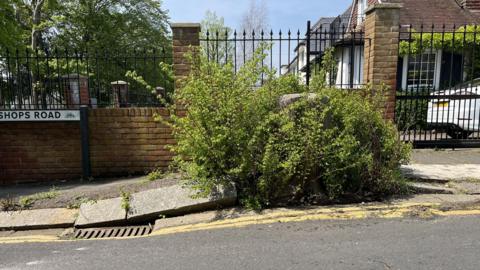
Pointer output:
282, 14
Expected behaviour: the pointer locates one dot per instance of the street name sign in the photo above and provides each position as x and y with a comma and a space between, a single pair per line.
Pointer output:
39, 115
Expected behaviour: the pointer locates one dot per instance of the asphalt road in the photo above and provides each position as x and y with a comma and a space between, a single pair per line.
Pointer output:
442, 243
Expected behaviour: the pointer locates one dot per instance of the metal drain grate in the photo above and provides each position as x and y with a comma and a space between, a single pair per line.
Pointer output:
116, 232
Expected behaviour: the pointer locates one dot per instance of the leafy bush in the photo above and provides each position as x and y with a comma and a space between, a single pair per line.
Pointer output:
337, 143
333, 143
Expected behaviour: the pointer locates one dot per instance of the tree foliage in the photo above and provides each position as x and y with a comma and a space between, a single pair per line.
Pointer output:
9, 28
116, 25
218, 48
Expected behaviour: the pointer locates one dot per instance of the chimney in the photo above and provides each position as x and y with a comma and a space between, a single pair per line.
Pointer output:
472, 5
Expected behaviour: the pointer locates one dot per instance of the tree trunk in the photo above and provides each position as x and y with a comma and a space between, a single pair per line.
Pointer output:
37, 6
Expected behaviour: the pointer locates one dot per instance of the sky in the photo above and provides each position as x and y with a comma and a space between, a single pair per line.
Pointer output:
282, 14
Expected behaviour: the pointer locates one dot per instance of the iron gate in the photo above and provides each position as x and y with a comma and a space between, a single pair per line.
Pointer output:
438, 101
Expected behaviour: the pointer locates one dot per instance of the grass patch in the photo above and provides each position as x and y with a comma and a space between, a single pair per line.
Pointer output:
28, 201
8, 204
77, 202
155, 175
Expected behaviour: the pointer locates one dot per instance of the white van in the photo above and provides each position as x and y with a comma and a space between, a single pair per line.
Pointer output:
456, 111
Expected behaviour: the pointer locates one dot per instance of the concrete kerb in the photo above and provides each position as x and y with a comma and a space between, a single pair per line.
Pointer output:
37, 219
143, 206
149, 205
422, 206
101, 213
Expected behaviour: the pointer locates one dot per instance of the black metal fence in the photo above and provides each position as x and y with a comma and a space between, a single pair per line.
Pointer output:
294, 52
62, 79
438, 100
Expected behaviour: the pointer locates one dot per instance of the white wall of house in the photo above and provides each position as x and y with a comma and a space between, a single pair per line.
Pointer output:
302, 56
362, 6
344, 64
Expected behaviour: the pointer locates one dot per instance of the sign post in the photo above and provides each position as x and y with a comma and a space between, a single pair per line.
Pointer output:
86, 165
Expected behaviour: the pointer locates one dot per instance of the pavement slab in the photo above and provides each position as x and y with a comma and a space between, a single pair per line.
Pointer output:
152, 204
176, 200
426, 188
37, 219
446, 156
467, 187
452, 172
101, 213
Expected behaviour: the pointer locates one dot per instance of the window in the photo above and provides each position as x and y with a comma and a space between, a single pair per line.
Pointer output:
421, 71
346, 65
362, 6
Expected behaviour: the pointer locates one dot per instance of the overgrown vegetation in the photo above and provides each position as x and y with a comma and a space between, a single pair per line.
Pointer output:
331, 145
155, 175
125, 204
78, 201
8, 204
27, 201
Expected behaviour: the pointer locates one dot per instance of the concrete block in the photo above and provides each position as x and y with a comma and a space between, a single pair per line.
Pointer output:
176, 200
425, 188
37, 219
101, 213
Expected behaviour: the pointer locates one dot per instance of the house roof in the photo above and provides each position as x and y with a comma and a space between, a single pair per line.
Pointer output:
428, 13
434, 12
323, 22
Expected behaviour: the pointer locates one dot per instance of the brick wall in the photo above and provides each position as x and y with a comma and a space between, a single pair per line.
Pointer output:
128, 141
122, 142
39, 151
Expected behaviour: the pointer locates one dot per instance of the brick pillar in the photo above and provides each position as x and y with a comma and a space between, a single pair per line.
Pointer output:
76, 90
381, 50
120, 94
186, 38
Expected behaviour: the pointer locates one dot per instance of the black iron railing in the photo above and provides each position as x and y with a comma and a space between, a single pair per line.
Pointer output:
293, 52
438, 97
62, 79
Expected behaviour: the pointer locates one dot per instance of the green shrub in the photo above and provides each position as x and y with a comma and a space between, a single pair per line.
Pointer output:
234, 132
337, 142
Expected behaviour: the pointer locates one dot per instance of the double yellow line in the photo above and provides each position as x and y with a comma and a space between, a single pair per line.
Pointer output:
284, 216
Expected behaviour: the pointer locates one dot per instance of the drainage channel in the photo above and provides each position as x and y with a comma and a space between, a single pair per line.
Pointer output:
113, 232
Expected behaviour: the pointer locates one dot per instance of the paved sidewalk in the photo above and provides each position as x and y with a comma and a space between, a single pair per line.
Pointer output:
441, 157
450, 172
445, 171
432, 164
71, 193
